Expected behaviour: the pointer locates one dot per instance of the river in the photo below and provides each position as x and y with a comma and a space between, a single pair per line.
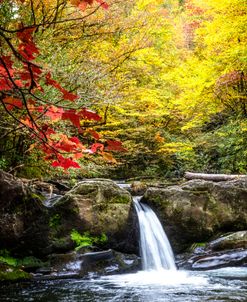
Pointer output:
228, 284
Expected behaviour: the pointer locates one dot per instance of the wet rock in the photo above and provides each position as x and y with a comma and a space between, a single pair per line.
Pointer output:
231, 241
138, 188
88, 264
33, 225
23, 217
9, 273
217, 260
227, 250
99, 206
196, 210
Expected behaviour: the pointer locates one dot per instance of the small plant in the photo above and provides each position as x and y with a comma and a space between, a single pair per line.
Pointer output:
55, 221
87, 240
7, 259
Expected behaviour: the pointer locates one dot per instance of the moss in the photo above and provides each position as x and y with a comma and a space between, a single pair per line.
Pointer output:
121, 199
36, 196
61, 243
7, 260
30, 261
9, 273
196, 245
55, 221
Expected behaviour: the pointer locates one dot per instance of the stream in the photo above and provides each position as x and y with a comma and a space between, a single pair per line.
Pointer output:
158, 281
228, 284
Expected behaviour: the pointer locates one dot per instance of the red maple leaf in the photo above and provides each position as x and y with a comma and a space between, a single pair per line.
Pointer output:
68, 95
94, 134
50, 81
72, 116
6, 66
65, 163
54, 113
103, 4
5, 84
115, 146
97, 146
89, 115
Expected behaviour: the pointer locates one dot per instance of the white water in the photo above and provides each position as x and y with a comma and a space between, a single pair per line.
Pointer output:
156, 251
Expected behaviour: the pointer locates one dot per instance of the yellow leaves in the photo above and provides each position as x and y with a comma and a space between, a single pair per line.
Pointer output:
175, 147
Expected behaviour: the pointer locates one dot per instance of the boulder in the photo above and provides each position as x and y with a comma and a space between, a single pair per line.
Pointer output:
197, 209
31, 225
231, 241
91, 264
226, 251
99, 207
24, 221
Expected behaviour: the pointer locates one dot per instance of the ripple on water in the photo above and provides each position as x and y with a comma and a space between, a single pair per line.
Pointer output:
223, 285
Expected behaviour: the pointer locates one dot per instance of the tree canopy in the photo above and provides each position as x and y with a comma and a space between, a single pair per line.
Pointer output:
123, 88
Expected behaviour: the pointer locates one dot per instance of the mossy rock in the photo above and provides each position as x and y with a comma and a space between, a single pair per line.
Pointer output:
197, 209
10, 273
96, 206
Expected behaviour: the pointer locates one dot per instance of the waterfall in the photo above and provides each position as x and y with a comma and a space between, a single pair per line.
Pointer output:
156, 251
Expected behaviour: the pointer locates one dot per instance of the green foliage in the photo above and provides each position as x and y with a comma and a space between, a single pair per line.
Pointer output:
55, 221
87, 240
6, 258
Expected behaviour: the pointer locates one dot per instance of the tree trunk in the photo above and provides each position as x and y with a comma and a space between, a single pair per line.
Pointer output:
212, 177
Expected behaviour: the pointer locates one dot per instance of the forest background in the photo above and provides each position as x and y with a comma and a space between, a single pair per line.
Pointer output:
122, 88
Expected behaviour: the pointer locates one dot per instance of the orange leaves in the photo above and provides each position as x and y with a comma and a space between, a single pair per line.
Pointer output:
54, 113
11, 103
97, 146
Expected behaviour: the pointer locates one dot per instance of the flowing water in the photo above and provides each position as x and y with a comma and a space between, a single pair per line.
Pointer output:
155, 248
158, 282
223, 285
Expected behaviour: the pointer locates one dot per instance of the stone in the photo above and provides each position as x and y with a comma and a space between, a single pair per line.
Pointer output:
23, 217
227, 250
196, 210
30, 225
99, 207
232, 241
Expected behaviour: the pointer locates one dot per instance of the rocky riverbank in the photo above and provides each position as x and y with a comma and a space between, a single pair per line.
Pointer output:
48, 230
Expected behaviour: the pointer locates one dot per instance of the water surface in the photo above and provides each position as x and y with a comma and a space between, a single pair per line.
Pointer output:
221, 285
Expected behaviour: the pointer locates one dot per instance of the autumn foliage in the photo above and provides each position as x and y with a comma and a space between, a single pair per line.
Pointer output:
23, 84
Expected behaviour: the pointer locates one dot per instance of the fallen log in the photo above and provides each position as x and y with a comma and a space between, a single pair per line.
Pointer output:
212, 177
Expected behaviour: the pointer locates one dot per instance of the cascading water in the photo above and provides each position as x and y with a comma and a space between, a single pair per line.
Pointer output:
156, 251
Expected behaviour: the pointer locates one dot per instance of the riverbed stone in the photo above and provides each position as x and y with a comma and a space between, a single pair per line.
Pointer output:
196, 210
30, 225
23, 217
227, 250
231, 241
99, 207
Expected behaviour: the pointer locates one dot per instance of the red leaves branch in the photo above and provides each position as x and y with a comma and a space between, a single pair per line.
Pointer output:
18, 86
